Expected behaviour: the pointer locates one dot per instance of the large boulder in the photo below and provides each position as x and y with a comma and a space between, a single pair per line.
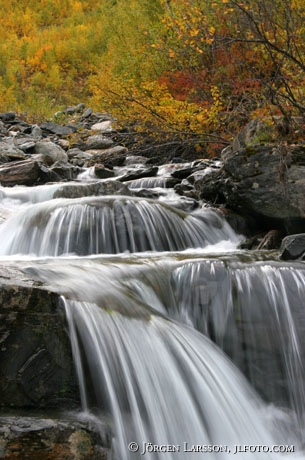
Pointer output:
293, 247
266, 183
37, 369
26, 172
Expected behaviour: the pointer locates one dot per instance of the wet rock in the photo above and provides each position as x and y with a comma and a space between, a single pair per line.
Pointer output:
183, 173
293, 247
25, 172
61, 172
93, 189
139, 173
49, 152
37, 437
265, 182
103, 173
36, 363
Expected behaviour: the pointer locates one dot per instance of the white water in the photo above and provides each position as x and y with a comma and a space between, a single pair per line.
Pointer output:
97, 225
164, 384
132, 318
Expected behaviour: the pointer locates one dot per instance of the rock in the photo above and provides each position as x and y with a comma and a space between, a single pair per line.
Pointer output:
61, 172
7, 116
36, 132
36, 363
103, 126
59, 130
98, 142
75, 109
293, 247
139, 173
78, 157
49, 152
3, 129
134, 160
10, 152
266, 183
110, 158
87, 113
103, 173
184, 188
25, 172
64, 144
93, 189
58, 438
183, 173
26, 146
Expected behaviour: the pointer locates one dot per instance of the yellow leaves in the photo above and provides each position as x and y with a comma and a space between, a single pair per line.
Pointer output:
194, 33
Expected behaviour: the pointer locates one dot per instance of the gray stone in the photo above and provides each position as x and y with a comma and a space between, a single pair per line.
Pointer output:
293, 247
265, 182
10, 152
87, 113
25, 172
93, 189
59, 130
139, 173
111, 157
7, 116
98, 142
50, 153
36, 132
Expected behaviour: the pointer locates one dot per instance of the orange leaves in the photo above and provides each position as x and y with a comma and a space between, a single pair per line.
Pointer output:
37, 61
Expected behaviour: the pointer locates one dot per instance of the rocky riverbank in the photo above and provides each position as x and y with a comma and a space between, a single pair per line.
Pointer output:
259, 187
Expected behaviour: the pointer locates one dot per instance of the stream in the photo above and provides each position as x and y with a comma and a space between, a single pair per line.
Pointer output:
193, 346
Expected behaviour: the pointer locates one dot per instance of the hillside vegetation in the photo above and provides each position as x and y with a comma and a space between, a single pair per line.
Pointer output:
168, 67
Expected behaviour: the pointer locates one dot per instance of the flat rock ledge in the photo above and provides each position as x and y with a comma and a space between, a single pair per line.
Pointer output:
40, 438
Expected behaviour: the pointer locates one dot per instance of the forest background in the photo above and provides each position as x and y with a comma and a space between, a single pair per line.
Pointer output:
183, 69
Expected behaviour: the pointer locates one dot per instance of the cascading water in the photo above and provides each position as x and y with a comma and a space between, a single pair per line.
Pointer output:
142, 321
108, 225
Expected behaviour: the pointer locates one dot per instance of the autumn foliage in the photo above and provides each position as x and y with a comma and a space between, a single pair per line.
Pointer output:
173, 67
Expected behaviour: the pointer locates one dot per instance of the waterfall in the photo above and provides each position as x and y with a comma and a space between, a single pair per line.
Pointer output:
109, 225
256, 315
164, 384
185, 340
253, 313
